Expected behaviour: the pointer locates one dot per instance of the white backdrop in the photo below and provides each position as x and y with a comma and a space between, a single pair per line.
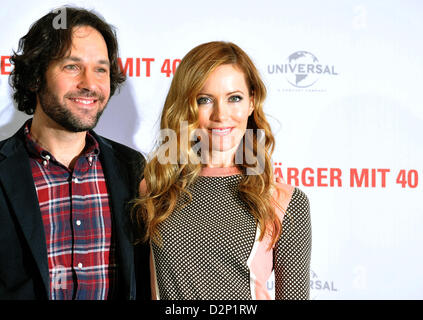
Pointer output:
344, 100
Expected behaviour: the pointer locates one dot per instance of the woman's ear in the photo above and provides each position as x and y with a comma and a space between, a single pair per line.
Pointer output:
251, 108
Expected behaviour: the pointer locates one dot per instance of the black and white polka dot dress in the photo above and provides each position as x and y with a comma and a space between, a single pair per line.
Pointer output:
210, 248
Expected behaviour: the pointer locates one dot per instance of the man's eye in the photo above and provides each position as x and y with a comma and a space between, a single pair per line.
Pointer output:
203, 100
71, 67
235, 99
102, 70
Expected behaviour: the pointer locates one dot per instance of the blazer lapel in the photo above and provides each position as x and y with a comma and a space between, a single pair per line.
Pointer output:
18, 184
118, 188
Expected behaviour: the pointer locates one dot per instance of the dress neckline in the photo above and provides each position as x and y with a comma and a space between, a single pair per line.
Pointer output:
219, 172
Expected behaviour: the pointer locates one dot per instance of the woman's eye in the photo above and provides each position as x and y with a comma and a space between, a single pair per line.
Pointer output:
203, 100
235, 99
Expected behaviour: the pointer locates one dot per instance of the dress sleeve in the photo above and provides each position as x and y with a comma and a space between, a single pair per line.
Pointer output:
291, 255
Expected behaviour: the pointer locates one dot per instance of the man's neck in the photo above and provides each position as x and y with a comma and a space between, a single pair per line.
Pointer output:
64, 145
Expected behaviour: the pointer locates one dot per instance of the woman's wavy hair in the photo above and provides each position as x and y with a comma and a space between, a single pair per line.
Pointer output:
44, 43
167, 183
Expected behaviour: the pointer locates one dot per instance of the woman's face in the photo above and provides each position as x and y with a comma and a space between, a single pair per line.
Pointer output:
224, 105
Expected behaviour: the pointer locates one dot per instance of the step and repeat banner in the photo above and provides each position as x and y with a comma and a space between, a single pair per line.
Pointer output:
344, 100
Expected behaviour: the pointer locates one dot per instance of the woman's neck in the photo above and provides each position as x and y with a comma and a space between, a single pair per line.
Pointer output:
220, 159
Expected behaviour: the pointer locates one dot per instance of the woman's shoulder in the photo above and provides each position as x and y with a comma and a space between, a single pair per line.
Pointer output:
288, 198
143, 187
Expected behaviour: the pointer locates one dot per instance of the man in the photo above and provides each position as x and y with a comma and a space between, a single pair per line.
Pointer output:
65, 230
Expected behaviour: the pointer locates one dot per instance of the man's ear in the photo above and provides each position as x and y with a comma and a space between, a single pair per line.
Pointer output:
36, 86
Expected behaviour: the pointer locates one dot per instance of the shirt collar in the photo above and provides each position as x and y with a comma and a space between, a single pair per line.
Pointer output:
91, 149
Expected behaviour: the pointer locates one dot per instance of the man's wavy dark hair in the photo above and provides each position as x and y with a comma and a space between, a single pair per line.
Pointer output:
44, 43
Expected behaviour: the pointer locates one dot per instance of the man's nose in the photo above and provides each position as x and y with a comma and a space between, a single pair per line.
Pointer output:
87, 81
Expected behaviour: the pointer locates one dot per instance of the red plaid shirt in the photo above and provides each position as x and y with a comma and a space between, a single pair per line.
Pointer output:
77, 222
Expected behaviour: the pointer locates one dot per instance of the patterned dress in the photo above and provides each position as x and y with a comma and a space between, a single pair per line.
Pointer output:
210, 247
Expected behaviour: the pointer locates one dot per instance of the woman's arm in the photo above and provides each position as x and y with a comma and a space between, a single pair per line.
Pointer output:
291, 255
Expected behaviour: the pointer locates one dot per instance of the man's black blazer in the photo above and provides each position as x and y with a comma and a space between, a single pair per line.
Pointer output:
24, 270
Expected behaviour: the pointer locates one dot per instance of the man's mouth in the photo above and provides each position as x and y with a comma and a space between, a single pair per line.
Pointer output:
84, 101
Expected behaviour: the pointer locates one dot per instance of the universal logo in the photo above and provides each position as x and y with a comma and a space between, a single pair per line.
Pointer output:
320, 285
302, 70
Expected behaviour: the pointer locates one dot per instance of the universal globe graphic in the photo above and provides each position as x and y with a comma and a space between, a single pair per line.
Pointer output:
302, 69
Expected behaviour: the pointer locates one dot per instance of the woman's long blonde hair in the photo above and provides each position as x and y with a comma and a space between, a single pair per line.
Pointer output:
167, 183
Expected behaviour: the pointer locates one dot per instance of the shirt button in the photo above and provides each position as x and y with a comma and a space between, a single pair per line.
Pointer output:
80, 265
78, 222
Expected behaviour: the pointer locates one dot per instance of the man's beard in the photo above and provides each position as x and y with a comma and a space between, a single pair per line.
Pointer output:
62, 115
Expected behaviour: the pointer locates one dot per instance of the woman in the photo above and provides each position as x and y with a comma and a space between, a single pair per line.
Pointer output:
217, 221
